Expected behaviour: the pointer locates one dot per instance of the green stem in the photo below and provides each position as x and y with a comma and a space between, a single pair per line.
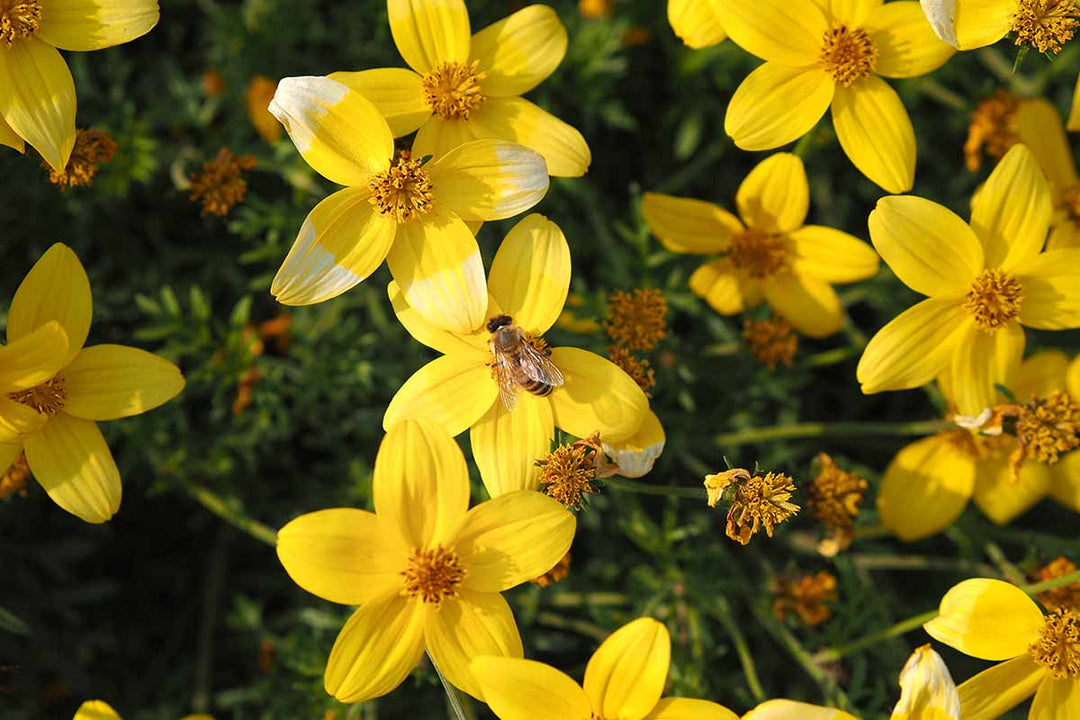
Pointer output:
587, 629
453, 697
795, 431
1036, 588
722, 349
217, 505
942, 94
596, 599
722, 612
807, 662
831, 357
650, 489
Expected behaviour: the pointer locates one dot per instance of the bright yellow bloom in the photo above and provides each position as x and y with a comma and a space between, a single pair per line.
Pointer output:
832, 53
624, 679
101, 710
993, 620
410, 214
52, 389
927, 690
696, 22
1042, 130
774, 257
426, 571
985, 282
37, 93
636, 455
463, 88
792, 710
929, 483
1043, 25
529, 280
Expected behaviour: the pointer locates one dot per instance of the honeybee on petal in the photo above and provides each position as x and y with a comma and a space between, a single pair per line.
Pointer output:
519, 363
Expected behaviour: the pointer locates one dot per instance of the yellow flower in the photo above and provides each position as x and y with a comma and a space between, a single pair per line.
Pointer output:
1044, 25
929, 483
426, 571
927, 690
1042, 130
100, 710
410, 214
462, 88
624, 679
37, 92
774, 257
985, 282
993, 620
636, 455
832, 53
529, 280
792, 710
52, 389
696, 22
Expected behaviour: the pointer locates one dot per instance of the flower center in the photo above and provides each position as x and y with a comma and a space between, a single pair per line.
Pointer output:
1045, 25
453, 89
758, 254
92, 148
637, 319
1070, 204
773, 342
1047, 427
1058, 648
18, 19
848, 54
48, 398
221, 184
404, 190
994, 128
567, 474
433, 574
994, 299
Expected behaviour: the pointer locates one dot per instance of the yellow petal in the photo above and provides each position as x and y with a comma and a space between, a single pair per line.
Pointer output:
777, 104
1056, 699
1041, 130
775, 196
1051, 285
1065, 480
1041, 374
517, 53
928, 246
454, 391
38, 102
34, 358
987, 619
597, 396
70, 459
792, 710
518, 689
925, 488
852, 13
18, 422
982, 359
906, 44
444, 341
95, 24
517, 120
338, 131
10, 138
436, 262
530, 275
1011, 212
686, 709
913, 349
695, 22
832, 255
1072, 377
1073, 123
9, 454
1003, 498
810, 304
378, 647
718, 284
512, 539
343, 555
437, 136
940, 14
1064, 235
95, 710
396, 92
473, 625
342, 241
996, 691
56, 288
627, 673
927, 689
979, 23
506, 445
875, 131
788, 32
689, 226
636, 456
429, 32
489, 179
107, 382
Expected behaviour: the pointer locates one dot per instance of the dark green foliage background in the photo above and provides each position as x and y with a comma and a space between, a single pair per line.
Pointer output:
163, 610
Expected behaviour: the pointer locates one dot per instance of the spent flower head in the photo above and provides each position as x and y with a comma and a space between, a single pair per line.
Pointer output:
807, 596
993, 129
755, 501
637, 319
92, 149
567, 474
221, 183
1067, 596
773, 342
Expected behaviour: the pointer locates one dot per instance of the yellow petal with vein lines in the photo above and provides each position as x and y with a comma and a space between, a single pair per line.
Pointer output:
38, 102
999, 689
906, 44
788, 32
1011, 212
1056, 699
34, 358
792, 710
437, 136
429, 32
717, 283
82, 25
696, 23
520, 51
338, 131
18, 422
1003, 498
1065, 480
453, 390
506, 445
777, 104
518, 689
435, 338
343, 555
832, 255
597, 396
489, 179
981, 360
687, 709
95, 710
987, 619
10, 138
1042, 131
518, 120
914, 348
627, 673
875, 131
530, 275
925, 488
70, 459
979, 23
810, 304
1051, 283
775, 196
686, 225
107, 382
396, 92
56, 288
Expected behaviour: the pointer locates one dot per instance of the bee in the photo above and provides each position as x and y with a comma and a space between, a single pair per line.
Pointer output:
518, 364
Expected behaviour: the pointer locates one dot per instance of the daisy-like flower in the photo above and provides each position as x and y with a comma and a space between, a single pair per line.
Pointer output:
1044, 25
993, 620
411, 214
774, 257
832, 53
927, 690
37, 92
426, 572
101, 710
529, 280
463, 88
696, 22
793, 710
930, 481
1040, 127
624, 679
985, 281
52, 389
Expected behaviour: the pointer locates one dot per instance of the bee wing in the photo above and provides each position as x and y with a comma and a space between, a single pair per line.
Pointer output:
507, 387
539, 367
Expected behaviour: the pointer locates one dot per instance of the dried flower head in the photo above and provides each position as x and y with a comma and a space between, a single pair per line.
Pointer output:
994, 128
805, 596
640, 370
1067, 596
555, 574
834, 497
636, 319
14, 479
220, 185
773, 342
567, 474
92, 149
755, 501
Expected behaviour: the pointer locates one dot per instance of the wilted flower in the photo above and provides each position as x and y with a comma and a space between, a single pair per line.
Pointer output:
1067, 596
834, 496
221, 184
773, 342
637, 319
807, 596
756, 501
92, 148
994, 128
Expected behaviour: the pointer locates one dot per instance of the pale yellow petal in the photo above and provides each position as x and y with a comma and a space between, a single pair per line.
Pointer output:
597, 396
95, 24
1065, 480
987, 619
520, 51
982, 22
1056, 699
38, 101
55, 289
687, 709
18, 422
518, 689
1041, 374
454, 391
95, 710
396, 92
793, 710
717, 283
775, 196
1043, 132
913, 349
435, 338
626, 675
925, 488
906, 44
875, 131
33, 358
489, 179
777, 104
107, 382
506, 445
1011, 212
810, 304
530, 275
429, 32
832, 255
70, 459
981, 360
788, 32
686, 225
927, 689
517, 120
695, 22
1051, 287
1063, 236
1003, 498
996, 691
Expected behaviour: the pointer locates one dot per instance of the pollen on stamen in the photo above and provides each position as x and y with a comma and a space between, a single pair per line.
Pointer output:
1045, 25
569, 472
19, 19
404, 191
994, 299
1058, 646
48, 398
848, 54
1048, 427
757, 253
433, 574
453, 89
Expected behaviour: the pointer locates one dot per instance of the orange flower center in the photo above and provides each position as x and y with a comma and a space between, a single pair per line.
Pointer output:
1058, 647
404, 191
453, 89
848, 54
758, 254
18, 19
1045, 25
433, 574
994, 299
48, 398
